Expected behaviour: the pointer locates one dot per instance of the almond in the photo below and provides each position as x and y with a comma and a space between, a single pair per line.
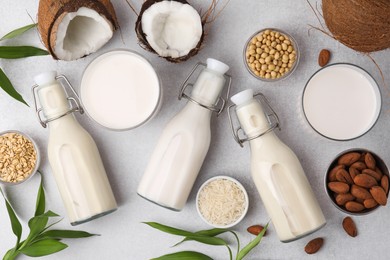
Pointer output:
377, 176
379, 195
362, 157
349, 226
353, 172
343, 176
341, 199
360, 193
349, 158
323, 57
370, 161
354, 206
370, 203
332, 173
314, 245
255, 230
359, 166
338, 187
365, 180
385, 183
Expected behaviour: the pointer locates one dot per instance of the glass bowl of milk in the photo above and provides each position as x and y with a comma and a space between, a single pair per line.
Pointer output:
120, 90
341, 101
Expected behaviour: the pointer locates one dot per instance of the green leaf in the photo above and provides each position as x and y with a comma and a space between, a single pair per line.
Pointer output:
17, 52
18, 31
15, 223
43, 247
6, 85
208, 232
216, 241
184, 255
37, 224
65, 234
252, 244
40, 204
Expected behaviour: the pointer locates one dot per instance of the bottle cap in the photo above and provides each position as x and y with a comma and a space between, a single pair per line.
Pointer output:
242, 97
45, 78
217, 66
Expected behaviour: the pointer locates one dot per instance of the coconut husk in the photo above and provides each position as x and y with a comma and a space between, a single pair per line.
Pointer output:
363, 25
142, 36
51, 12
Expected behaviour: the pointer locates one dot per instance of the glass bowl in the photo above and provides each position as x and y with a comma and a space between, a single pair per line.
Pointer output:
332, 195
37, 160
282, 33
239, 185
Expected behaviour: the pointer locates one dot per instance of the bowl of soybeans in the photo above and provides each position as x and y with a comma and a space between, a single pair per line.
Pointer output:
271, 54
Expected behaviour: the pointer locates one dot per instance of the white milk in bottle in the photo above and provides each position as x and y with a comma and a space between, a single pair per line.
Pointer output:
73, 154
183, 145
277, 172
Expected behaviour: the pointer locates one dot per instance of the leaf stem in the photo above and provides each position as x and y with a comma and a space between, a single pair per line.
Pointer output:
238, 242
230, 252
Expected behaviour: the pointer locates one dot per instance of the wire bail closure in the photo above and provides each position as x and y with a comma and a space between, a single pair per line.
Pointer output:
272, 118
74, 102
221, 100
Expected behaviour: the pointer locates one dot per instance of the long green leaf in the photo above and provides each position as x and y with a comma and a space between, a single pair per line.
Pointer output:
15, 223
216, 241
252, 244
184, 255
37, 225
18, 31
41, 201
6, 85
65, 234
43, 247
17, 52
208, 232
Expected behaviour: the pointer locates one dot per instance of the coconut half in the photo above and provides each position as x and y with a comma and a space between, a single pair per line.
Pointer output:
172, 29
73, 29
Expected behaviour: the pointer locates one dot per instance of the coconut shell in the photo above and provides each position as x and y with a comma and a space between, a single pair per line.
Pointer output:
142, 36
363, 25
51, 13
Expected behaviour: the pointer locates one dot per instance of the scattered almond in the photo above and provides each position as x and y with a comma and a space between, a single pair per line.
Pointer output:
323, 57
255, 230
349, 226
314, 245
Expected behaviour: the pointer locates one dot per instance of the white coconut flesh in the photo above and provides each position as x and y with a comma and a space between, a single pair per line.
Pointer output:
81, 33
172, 29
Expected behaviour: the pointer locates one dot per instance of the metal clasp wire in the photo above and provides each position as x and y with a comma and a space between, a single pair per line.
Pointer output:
272, 118
214, 108
76, 108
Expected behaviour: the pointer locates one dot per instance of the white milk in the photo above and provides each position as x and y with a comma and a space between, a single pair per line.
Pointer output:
120, 90
341, 101
278, 175
74, 157
183, 145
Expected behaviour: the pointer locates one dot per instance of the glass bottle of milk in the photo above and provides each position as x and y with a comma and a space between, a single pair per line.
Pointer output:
276, 170
73, 154
183, 145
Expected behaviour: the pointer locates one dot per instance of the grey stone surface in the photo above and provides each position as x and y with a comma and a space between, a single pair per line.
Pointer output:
126, 154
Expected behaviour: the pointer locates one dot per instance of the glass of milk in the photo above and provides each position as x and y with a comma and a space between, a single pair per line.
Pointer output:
341, 101
120, 90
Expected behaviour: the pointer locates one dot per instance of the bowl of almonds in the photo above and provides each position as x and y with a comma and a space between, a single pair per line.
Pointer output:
271, 54
357, 182
19, 157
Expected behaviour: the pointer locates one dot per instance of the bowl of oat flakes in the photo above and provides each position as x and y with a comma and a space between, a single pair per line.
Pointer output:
19, 157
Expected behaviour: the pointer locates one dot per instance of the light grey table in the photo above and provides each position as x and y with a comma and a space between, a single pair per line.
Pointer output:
126, 154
